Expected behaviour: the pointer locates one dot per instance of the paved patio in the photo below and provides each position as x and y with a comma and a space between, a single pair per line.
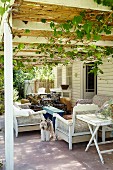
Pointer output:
32, 154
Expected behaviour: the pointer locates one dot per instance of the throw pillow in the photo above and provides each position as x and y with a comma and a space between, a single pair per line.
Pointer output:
21, 112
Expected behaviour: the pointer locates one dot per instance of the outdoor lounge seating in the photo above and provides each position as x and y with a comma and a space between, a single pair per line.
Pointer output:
106, 131
74, 130
26, 119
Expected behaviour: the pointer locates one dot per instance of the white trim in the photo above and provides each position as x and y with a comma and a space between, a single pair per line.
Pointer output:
89, 4
8, 82
25, 39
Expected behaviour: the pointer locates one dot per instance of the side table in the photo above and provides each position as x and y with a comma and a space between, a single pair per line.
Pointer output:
93, 120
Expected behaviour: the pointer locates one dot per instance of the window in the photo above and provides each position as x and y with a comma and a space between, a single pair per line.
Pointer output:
90, 79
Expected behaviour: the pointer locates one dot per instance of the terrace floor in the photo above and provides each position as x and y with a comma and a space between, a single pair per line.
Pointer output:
32, 154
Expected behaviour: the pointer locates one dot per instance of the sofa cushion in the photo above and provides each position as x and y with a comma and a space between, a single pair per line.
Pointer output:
80, 126
29, 120
101, 99
84, 101
18, 112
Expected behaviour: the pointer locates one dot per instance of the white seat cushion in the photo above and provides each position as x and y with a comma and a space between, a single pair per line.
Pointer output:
18, 112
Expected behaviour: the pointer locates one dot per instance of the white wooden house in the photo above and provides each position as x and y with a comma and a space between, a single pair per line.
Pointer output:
83, 85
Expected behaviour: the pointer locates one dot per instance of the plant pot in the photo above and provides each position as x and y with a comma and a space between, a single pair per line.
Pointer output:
64, 87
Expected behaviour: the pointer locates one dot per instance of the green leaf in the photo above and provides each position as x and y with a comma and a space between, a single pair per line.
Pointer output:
52, 24
2, 10
51, 55
20, 46
34, 60
3, 1
96, 37
80, 34
77, 19
43, 20
88, 36
87, 27
27, 31
60, 49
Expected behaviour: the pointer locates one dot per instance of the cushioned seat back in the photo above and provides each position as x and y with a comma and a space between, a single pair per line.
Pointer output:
101, 99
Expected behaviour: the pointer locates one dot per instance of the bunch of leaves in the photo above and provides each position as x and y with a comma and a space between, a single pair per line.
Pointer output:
80, 30
19, 76
15, 95
105, 3
4, 7
44, 73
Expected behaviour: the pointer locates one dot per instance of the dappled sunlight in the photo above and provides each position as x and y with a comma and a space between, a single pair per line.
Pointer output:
32, 154
60, 156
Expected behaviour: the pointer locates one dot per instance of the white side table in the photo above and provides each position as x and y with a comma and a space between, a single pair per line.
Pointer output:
92, 119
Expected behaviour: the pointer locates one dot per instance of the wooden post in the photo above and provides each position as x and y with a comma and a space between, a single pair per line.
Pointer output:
8, 82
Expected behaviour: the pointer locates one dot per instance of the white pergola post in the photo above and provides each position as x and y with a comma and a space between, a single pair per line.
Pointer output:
8, 82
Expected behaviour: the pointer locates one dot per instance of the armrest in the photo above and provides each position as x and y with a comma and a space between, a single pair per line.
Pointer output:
84, 101
67, 122
40, 112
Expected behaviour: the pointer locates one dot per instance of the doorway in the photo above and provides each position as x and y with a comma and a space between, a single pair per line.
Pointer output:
90, 81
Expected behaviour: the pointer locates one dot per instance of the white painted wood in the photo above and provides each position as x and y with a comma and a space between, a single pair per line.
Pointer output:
55, 76
8, 74
107, 151
90, 4
95, 141
70, 138
91, 119
25, 39
63, 74
18, 24
105, 80
65, 129
76, 81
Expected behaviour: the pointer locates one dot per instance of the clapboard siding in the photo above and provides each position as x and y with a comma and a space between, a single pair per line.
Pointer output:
105, 80
76, 80
63, 75
55, 76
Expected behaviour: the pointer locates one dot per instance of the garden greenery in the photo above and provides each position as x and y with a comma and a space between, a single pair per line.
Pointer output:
72, 40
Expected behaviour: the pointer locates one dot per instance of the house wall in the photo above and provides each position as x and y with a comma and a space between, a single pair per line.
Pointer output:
105, 81
76, 92
55, 76
76, 81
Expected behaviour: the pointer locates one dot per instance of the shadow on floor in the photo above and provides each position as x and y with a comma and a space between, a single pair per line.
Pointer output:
32, 154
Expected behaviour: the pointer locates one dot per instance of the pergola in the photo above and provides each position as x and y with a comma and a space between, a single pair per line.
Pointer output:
27, 15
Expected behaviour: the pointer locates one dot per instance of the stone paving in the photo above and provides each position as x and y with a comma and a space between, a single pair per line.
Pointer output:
32, 154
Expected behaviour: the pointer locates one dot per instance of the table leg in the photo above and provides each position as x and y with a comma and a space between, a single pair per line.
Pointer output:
93, 135
95, 142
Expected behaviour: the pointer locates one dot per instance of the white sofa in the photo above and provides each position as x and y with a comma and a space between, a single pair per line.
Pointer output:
74, 130
26, 119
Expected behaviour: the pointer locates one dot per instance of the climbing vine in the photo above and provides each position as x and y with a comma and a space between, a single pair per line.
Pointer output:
105, 3
74, 39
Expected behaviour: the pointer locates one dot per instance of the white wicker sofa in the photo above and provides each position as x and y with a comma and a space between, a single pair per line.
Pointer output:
74, 130
26, 119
